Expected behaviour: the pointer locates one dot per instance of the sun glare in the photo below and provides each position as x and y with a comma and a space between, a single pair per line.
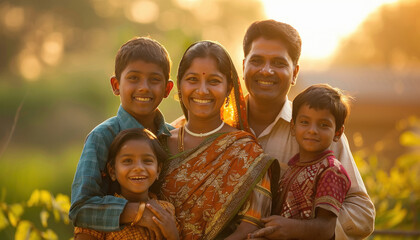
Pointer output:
321, 24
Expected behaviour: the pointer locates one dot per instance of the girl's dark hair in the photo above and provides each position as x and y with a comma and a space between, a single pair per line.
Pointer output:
205, 49
133, 134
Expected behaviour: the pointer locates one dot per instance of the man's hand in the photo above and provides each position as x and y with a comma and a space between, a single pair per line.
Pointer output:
276, 227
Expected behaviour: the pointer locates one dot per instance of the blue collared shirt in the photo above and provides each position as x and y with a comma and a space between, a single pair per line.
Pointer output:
90, 206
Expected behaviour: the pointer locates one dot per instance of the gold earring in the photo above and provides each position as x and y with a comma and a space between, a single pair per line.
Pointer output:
227, 101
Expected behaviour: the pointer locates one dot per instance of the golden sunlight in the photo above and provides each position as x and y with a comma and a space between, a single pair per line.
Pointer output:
143, 11
321, 24
29, 66
14, 18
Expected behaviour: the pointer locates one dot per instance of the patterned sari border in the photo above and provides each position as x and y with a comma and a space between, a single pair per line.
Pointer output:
236, 200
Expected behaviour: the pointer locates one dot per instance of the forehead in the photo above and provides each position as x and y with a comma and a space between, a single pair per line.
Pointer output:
204, 65
306, 111
140, 145
269, 48
143, 67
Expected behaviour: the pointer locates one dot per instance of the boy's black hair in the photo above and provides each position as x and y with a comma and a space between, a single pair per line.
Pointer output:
323, 96
133, 134
142, 48
273, 30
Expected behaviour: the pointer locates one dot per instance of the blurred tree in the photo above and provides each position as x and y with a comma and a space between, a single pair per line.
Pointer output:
57, 57
62, 52
388, 38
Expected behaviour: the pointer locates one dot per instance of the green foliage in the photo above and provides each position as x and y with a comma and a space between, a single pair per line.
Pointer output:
12, 216
395, 192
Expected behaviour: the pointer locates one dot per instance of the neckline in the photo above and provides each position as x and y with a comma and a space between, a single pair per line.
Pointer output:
204, 134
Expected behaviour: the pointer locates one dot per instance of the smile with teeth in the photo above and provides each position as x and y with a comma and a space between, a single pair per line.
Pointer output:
138, 178
265, 82
201, 100
143, 99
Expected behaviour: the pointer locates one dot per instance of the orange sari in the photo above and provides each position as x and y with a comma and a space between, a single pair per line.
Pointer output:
128, 232
212, 183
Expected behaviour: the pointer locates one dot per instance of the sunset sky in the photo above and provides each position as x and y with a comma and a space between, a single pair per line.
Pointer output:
322, 23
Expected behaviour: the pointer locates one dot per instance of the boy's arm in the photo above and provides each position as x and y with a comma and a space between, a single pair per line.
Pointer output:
357, 214
277, 227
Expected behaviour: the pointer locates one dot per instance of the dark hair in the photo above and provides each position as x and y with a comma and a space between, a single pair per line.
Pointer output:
205, 49
273, 30
133, 134
323, 96
142, 48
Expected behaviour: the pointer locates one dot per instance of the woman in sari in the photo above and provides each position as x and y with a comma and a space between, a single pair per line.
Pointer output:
218, 177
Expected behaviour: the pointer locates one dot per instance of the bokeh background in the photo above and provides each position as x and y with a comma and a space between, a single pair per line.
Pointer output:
56, 59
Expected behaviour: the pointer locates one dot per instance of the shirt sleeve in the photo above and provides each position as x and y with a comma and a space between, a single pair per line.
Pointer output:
90, 206
258, 205
357, 214
332, 188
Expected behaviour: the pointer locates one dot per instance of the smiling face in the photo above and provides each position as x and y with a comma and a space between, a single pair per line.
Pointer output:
203, 89
314, 130
136, 169
141, 88
269, 71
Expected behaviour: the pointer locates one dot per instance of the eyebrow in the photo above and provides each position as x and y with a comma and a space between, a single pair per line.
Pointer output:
212, 74
152, 73
130, 155
306, 116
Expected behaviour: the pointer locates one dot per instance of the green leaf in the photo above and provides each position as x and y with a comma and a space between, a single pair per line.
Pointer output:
15, 211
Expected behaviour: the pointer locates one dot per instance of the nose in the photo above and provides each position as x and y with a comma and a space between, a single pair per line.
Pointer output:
202, 88
267, 69
138, 166
143, 85
313, 129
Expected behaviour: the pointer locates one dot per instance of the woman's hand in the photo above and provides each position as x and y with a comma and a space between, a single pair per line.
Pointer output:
165, 221
147, 221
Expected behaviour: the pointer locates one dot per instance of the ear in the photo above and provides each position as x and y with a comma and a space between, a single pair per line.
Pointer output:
169, 86
115, 84
111, 172
295, 74
292, 128
338, 134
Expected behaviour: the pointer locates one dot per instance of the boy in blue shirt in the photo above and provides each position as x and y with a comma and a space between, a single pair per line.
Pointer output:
142, 68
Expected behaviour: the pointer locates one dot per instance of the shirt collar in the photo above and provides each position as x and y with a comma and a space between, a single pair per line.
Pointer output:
127, 121
286, 111
285, 114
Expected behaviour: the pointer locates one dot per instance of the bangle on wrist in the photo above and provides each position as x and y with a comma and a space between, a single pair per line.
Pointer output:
139, 213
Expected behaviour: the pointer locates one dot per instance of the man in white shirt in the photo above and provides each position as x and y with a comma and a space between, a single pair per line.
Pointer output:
272, 50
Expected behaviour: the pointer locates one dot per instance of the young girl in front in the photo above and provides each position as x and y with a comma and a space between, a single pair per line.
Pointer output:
134, 163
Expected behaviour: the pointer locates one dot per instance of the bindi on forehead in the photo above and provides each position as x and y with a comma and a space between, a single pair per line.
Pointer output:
204, 73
